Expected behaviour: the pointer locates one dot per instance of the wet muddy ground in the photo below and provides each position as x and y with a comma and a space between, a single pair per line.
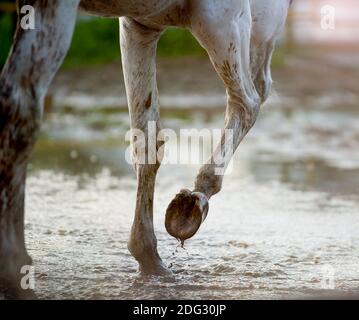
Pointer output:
285, 224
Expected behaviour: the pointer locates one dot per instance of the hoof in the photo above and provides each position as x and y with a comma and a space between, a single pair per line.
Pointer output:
150, 263
157, 269
185, 214
16, 293
10, 278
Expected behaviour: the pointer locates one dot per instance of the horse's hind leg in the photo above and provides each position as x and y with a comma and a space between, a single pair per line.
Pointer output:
33, 61
268, 23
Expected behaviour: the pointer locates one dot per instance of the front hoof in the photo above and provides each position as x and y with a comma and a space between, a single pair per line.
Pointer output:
157, 269
13, 292
11, 277
185, 214
145, 252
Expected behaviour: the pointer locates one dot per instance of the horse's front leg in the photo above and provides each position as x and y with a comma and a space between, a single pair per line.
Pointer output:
33, 61
225, 33
138, 47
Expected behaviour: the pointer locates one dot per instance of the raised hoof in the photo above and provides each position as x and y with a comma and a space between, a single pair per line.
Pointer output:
185, 214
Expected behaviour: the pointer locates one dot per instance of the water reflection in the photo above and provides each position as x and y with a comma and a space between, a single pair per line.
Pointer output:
288, 210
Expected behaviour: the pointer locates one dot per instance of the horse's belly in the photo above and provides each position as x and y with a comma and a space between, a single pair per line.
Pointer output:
132, 8
110, 8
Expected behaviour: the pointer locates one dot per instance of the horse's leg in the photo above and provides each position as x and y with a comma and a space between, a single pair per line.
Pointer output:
138, 48
34, 59
268, 22
225, 32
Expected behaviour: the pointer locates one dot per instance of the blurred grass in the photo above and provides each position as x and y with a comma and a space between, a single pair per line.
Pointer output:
96, 42
5, 36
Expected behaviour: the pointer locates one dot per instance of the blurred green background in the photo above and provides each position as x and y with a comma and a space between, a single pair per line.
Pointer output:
96, 41
6, 32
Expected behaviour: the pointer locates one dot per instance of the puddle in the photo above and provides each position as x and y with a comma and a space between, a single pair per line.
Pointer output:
285, 222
